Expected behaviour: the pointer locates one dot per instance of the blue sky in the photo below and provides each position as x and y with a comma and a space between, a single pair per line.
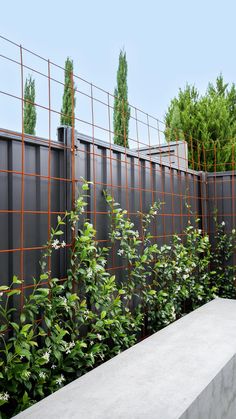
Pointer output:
168, 43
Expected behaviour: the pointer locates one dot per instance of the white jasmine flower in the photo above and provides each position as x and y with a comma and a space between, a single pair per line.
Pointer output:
60, 380
99, 336
89, 273
233, 231
120, 252
46, 355
42, 375
173, 314
199, 231
63, 244
55, 244
223, 223
69, 346
103, 262
64, 303
1, 294
53, 367
4, 396
178, 269
98, 268
185, 276
64, 300
199, 297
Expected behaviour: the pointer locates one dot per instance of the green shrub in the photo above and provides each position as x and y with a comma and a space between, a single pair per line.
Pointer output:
65, 328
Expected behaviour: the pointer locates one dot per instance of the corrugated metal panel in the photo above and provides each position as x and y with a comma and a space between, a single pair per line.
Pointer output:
35, 200
221, 193
134, 179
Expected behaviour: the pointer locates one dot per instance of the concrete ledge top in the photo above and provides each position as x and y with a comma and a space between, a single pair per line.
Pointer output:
157, 378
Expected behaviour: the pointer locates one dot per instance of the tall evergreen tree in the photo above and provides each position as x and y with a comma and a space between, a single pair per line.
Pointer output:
29, 106
174, 131
121, 113
68, 101
208, 124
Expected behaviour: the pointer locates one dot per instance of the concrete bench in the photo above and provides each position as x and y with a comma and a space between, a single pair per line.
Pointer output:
186, 370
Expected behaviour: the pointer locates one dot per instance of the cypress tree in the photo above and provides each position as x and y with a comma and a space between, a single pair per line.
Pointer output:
121, 106
29, 106
68, 101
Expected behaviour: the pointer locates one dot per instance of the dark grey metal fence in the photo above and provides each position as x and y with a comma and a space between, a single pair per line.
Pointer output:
220, 199
134, 178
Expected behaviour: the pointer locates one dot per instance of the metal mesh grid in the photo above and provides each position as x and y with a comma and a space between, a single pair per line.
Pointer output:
40, 175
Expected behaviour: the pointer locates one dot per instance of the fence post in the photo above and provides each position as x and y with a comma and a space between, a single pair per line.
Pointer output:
64, 135
203, 201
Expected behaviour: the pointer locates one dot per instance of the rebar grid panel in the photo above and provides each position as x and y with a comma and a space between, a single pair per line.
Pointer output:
41, 174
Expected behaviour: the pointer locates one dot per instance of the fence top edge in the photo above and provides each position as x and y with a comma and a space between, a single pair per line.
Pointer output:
41, 141
31, 139
132, 152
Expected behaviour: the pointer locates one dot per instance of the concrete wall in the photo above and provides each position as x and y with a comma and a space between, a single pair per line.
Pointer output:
185, 371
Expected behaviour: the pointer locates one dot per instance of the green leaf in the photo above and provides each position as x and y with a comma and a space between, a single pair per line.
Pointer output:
16, 280
22, 317
4, 288
3, 327
83, 345
57, 354
103, 314
23, 352
58, 233
48, 322
33, 343
15, 326
25, 397
25, 328
43, 276
14, 292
